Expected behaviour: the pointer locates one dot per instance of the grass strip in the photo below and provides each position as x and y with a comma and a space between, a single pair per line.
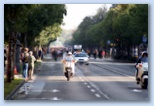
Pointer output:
9, 87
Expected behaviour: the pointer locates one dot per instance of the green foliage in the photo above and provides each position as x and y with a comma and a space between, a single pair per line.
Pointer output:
125, 22
33, 19
48, 33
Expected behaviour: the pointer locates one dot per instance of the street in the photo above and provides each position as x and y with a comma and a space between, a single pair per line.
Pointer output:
102, 79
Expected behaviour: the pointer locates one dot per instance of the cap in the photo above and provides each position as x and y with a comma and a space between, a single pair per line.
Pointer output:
69, 53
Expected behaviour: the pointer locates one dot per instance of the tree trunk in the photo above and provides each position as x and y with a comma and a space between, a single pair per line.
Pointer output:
9, 62
14, 54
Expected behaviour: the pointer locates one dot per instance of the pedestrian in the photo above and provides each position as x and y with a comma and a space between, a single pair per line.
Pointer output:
54, 54
95, 54
25, 64
31, 60
100, 53
22, 55
35, 53
103, 53
40, 54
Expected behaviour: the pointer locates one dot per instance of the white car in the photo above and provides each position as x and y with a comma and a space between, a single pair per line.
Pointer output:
82, 58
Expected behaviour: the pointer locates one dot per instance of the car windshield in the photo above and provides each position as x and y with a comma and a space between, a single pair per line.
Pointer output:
145, 60
81, 55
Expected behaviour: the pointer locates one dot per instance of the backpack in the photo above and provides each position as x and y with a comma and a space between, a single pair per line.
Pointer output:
24, 57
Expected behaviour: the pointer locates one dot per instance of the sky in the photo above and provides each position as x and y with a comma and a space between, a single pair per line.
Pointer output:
77, 12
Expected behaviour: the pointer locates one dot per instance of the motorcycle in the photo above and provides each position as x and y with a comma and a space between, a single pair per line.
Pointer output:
69, 68
142, 77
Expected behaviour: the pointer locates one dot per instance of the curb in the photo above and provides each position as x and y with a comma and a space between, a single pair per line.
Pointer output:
12, 94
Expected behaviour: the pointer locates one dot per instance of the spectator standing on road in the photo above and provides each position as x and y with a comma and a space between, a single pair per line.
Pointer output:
54, 54
103, 53
35, 53
100, 54
25, 64
31, 60
94, 55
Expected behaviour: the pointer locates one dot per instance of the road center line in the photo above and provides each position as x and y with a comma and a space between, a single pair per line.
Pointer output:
94, 86
88, 86
97, 95
92, 90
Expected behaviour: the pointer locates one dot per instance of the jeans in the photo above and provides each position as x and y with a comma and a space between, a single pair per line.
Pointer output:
25, 70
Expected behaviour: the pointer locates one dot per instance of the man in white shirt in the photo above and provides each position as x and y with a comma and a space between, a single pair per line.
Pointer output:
69, 57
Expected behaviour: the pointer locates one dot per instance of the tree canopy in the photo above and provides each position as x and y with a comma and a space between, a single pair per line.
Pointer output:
34, 20
123, 24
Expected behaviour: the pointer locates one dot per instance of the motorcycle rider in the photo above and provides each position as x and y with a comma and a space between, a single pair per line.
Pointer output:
69, 57
143, 55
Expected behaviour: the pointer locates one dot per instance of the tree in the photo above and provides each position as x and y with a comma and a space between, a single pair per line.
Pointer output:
30, 20
125, 22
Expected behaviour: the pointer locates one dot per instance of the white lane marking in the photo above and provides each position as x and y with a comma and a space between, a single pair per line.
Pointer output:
97, 95
136, 90
81, 79
55, 98
38, 98
112, 63
94, 86
55, 90
115, 71
92, 90
88, 86
85, 83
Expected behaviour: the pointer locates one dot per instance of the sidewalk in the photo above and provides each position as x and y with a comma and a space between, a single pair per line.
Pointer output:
15, 75
15, 90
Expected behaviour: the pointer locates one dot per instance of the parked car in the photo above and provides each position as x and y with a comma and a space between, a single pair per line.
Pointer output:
82, 58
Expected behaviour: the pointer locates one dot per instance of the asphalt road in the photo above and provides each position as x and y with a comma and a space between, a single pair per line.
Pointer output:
101, 80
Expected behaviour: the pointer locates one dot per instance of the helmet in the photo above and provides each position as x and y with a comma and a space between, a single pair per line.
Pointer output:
69, 53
